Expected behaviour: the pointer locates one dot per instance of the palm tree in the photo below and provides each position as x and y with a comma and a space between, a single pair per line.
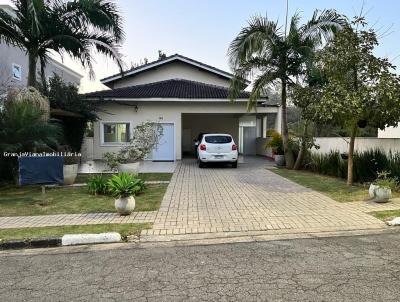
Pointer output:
276, 57
73, 27
23, 128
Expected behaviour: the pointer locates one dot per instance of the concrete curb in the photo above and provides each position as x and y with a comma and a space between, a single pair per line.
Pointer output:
30, 243
77, 239
66, 240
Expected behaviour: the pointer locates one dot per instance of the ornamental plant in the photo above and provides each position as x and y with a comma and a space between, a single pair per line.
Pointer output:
385, 181
146, 137
97, 185
125, 185
276, 142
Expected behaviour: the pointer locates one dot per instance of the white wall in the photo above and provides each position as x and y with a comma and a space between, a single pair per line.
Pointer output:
389, 132
361, 144
175, 70
260, 147
166, 112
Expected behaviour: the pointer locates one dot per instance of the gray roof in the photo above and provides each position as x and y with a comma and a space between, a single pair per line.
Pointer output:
174, 88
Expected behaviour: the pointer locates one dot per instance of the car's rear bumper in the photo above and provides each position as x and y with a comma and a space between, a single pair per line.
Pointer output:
206, 157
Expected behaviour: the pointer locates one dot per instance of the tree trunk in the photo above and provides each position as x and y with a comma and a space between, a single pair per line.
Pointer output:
302, 151
285, 131
351, 155
32, 70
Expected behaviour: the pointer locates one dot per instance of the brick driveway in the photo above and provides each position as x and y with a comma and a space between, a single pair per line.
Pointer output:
249, 198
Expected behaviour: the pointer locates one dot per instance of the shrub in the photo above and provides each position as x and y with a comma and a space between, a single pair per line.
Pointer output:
125, 185
328, 164
367, 164
385, 181
145, 137
97, 185
275, 142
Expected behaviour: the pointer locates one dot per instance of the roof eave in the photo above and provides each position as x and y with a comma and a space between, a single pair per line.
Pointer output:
224, 74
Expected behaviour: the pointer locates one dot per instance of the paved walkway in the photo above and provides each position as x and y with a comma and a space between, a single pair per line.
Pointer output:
74, 219
250, 198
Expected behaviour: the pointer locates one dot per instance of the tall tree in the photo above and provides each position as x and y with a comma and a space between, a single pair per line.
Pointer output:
361, 88
275, 57
74, 27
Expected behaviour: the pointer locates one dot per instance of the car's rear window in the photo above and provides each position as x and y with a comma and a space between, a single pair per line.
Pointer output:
218, 139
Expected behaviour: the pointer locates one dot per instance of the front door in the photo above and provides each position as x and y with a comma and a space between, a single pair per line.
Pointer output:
164, 151
249, 140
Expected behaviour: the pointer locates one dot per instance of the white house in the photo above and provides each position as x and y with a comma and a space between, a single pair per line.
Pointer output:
187, 97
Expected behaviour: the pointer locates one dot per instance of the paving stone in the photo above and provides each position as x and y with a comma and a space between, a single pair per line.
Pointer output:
251, 198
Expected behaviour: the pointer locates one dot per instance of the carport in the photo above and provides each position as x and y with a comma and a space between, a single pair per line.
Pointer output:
244, 128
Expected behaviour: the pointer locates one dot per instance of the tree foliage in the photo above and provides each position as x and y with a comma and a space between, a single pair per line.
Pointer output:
75, 28
359, 85
65, 96
275, 57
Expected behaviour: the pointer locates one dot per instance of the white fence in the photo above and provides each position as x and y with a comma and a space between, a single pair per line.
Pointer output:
328, 144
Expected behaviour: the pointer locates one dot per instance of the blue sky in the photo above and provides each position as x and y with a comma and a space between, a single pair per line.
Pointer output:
202, 30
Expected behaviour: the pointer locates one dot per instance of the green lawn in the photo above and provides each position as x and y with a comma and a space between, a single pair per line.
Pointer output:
82, 178
333, 187
386, 215
25, 201
31, 233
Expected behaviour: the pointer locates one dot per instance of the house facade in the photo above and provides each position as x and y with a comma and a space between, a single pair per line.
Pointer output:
14, 66
187, 98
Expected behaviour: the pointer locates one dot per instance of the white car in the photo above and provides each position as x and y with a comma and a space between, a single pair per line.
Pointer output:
216, 147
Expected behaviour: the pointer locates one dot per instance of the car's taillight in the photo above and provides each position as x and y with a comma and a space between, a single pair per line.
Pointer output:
234, 147
203, 147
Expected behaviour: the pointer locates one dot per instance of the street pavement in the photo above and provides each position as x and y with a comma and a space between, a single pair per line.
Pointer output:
356, 268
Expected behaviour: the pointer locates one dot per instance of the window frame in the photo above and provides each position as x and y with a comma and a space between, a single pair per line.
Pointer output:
109, 144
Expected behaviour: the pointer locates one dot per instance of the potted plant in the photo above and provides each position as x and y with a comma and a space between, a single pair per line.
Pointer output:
276, 144
124, 187
381, 189
145, 137
71, 164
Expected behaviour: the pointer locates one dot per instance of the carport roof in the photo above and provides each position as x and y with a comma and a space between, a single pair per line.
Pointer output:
174, 88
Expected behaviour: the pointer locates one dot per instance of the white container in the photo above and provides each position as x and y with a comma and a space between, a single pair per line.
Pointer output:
382, 195
70, 173
132, 168
125, 205
371, 190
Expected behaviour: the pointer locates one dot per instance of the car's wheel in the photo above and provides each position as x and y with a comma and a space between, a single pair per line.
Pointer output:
201, 164
234, 165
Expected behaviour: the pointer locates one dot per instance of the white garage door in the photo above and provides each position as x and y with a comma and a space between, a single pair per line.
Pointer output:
164, 151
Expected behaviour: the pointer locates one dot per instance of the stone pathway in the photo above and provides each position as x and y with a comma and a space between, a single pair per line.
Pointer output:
74, 219
250, 198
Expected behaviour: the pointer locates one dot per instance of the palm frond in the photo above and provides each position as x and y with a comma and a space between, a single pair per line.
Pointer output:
253, 39
260, 85
10, 32
323, 25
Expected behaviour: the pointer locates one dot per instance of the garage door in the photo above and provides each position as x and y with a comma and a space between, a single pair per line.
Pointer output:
164, 151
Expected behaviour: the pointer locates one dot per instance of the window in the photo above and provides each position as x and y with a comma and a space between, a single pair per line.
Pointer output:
218, 139
16, 72
115, 133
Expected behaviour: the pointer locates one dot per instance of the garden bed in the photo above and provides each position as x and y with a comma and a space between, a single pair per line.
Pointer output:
333, 187
28, 201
